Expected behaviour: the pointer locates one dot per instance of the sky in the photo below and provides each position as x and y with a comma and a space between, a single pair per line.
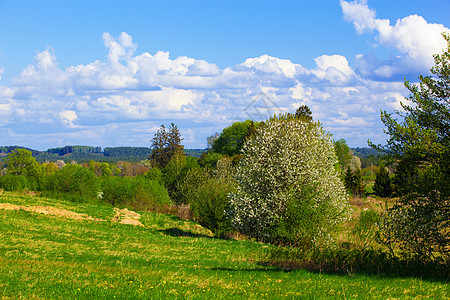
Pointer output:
109, 73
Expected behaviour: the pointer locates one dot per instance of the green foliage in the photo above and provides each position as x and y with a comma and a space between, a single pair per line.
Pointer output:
189, 188
155, 174
206, 191
209, 203
383, 184
76, 180
14, 182
175, 172
138, 193
366, 229
343, 154
304, 113
165, 144
210, 159
105, 170
232, 138
147, 195
359, 261
127, 152
420, 146
353, 181
116, 190
288, 171
21, 162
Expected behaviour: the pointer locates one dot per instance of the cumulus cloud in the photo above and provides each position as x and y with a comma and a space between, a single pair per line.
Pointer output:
67, 117
415, 38
124, 98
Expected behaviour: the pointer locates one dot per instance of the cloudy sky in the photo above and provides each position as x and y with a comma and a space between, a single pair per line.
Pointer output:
109, 73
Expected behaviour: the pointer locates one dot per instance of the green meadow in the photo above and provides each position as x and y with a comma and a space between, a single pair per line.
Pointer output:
46, 256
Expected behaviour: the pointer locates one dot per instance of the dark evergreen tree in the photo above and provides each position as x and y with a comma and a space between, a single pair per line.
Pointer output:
353, 181
304, 112
383, 185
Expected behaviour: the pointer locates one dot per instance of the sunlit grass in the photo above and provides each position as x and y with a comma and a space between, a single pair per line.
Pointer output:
51, 257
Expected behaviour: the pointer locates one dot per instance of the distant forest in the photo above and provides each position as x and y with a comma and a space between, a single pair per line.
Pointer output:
82, 154
87, 153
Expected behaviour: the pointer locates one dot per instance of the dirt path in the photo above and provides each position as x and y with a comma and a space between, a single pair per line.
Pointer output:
49, 210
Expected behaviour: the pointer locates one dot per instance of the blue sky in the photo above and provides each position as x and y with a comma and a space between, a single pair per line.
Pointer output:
108, 73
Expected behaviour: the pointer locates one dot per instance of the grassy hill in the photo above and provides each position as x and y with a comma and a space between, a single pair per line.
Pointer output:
57, 249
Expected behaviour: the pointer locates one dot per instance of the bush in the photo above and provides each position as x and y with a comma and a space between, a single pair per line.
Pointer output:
14, 182
288, 189
366, 228
116, 190
137, 193
360, 261
76, 180
175, 174
210, 203
155, 174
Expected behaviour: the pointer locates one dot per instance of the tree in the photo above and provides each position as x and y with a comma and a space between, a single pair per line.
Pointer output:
343, 154
21, 162
353, 181
165, 144
420, 146
288, 189
304, 112
232, 138
383, 184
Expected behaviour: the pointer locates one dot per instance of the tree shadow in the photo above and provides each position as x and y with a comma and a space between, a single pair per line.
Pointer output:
263, 268
177, 232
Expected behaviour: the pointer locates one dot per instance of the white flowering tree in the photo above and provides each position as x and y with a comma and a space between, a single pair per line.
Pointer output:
289, 189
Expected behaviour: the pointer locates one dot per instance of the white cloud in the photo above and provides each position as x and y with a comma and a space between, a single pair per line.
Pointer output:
415, 38
123, 99
268, 64
67, 117
333, 68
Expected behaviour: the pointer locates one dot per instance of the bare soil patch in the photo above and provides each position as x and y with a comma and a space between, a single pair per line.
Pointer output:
125, 216
48, 210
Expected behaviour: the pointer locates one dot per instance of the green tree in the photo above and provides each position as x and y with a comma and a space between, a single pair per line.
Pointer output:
420, 146
353, 181
383, 184
21, 162
165, 144
232, 138
105, 169
343, 154
288, 189
304, 112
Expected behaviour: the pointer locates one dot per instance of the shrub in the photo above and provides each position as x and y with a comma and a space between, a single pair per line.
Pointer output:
76, 180
366, 228
116, 190
137, 193
155, 174
286, 178
13, 182
210, 203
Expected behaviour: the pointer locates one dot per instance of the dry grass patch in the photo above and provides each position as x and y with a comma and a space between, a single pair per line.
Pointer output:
49, 210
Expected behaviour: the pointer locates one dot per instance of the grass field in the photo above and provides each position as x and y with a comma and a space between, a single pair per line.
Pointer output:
49, 256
